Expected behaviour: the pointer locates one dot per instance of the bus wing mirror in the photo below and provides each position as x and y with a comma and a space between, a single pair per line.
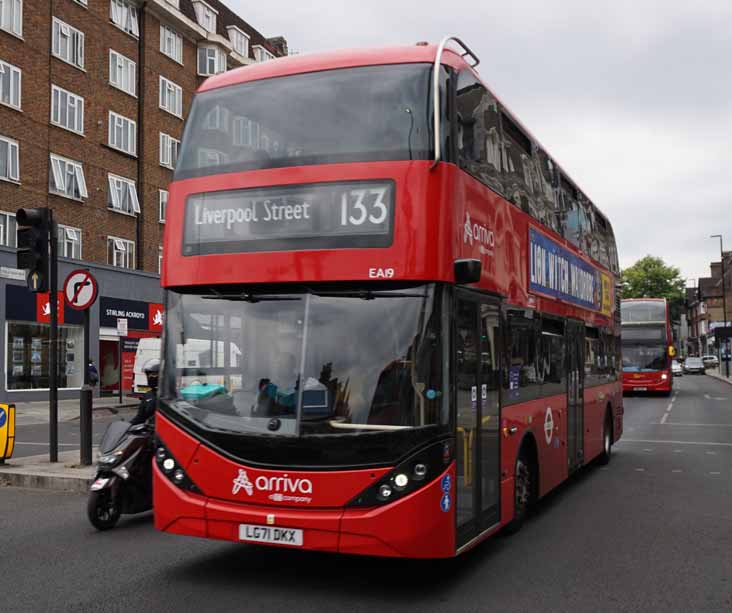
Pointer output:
467, 271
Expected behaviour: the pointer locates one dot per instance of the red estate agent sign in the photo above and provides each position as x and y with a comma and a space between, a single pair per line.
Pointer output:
80, 290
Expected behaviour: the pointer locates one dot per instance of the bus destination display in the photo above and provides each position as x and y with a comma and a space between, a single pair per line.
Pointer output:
322, 216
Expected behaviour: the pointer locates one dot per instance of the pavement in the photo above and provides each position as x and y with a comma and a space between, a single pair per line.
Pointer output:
651, 531
38, 412
715, 372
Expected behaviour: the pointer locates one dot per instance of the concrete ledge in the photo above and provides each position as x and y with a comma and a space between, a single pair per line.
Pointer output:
44, 482
715, 375
38, 473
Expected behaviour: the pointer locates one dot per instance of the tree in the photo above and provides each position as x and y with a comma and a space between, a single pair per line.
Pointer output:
650, 277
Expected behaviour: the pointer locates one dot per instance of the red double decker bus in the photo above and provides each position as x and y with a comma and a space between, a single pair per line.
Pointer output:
647, 345
390, 315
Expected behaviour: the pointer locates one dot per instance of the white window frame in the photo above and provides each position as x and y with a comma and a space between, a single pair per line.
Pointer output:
118, 126
171, 97
123, 14
73, 43
13, 161
261, 54
160, 260
168, 146
237, 35
74, 110
122, 73
175, 3
11, 17
171, 43
213, 54
122, 195
4, 241
69, 238
61, 169
163, 196
84, 3
206, 16
123, 252
6, 76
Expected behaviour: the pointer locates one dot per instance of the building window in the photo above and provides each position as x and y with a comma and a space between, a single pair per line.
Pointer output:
82, 2
9, 85
11, 16
163, 205
122, 133
28, 351
171, 43
67, 178
68, 43
124, 15
160, 260
206, 16
120, 252
122, 72
211, 61
67, 110
168, 151
261, 54
8, 230
239, 40
122, 195
171, 97
69, 242
9, 166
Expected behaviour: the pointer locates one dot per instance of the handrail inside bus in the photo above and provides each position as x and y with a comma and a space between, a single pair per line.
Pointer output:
436, 87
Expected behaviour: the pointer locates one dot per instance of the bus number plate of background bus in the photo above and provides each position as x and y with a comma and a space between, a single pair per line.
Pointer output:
320, 216
270, 534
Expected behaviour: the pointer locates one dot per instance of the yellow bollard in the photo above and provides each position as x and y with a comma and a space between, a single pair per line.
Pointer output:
7, 431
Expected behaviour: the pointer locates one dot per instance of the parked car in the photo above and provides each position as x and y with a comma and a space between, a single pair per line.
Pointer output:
710, 361
676, 369
694, 365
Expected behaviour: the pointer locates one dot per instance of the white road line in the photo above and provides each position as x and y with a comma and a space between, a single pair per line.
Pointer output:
677, 470
640, 470
711, 453
678, 423
648, 450
678, 451
646, 441
715, 473
664, 418
46, 444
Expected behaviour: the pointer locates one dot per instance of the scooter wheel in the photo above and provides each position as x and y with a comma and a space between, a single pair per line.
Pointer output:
102, 510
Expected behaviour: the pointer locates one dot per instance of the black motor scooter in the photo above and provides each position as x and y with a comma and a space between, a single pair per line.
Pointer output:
123, 482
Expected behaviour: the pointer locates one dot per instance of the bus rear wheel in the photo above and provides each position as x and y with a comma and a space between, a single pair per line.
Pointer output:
523, 492
607, 442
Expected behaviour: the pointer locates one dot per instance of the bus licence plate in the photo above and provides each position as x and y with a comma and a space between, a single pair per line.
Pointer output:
640, 389
270, 534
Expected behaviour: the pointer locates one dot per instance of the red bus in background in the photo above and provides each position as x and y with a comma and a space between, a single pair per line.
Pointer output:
390, 316
647, 345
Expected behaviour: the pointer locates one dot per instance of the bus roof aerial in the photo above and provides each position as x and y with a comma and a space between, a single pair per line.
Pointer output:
382, 293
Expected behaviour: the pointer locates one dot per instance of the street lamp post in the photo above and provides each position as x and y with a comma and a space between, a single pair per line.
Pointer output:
724, 305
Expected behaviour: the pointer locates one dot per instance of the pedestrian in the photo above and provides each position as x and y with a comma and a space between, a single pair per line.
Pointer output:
93, 373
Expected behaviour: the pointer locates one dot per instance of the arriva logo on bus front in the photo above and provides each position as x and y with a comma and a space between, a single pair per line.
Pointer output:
480, 234
284, 488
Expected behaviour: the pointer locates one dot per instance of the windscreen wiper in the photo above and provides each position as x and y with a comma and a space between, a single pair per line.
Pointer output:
251, 298
367, 294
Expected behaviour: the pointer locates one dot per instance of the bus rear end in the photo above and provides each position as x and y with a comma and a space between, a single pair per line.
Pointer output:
647, 346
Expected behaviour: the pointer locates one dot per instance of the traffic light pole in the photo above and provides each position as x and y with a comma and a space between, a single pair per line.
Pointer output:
53, 345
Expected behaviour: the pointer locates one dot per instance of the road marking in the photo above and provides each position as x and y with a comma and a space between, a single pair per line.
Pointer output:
678, 451
711, 453
646, 441
648, 450
640, 470
664, 418
708, 397
677, 470
46, 444
678, 423
715, 473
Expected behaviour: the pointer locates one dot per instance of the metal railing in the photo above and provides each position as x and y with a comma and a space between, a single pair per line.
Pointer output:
436, 87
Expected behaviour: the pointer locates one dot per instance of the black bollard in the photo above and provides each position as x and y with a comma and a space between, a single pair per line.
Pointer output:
86, 425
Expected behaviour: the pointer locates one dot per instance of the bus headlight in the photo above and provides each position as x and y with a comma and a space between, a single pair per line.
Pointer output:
401, 481
172, 469
385, 492
664, 376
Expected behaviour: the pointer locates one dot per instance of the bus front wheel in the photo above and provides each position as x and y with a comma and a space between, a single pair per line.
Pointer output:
607, 442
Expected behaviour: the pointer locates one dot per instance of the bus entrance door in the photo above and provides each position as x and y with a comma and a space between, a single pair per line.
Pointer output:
477, 373
575, 337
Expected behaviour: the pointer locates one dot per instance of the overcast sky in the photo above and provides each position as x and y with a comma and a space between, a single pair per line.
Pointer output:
633, 99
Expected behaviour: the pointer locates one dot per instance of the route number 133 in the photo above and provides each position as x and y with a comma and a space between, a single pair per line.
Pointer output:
359, 206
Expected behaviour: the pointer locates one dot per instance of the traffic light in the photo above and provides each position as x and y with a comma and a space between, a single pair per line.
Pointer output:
34, 226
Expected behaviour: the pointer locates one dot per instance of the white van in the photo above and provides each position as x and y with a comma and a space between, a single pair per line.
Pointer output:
148, 349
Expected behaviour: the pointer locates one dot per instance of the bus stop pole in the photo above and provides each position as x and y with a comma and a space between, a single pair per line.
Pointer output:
53, 348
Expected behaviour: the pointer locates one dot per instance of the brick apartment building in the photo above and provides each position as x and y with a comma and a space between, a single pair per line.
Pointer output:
93, 94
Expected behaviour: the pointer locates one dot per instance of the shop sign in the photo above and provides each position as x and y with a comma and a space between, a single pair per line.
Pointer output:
23, 305
139, 315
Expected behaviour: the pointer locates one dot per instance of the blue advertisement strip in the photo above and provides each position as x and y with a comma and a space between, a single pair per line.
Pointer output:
557, 272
